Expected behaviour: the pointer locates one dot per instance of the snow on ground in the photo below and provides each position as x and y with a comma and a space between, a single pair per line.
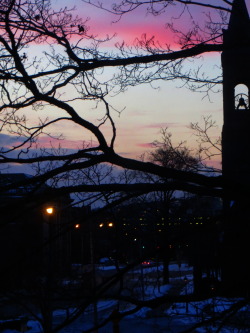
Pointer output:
172, 319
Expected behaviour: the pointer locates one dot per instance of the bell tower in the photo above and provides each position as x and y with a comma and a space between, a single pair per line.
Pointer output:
236, 149
236, 86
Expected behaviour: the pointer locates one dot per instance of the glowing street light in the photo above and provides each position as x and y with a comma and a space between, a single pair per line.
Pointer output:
50, 210
107, 224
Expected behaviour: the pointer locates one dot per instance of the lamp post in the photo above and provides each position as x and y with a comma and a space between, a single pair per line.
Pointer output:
47, 311
49, 213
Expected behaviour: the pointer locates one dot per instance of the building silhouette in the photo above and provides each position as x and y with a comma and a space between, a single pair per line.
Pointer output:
29, 237
235, 155
24, 232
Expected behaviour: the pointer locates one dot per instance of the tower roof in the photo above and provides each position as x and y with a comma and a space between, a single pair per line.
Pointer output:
238, 32
239, 18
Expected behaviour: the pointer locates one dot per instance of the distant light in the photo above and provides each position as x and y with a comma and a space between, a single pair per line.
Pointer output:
77, 226
101, 225
110, 224
50, 210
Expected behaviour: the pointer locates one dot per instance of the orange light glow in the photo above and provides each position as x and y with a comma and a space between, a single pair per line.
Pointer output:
49, 210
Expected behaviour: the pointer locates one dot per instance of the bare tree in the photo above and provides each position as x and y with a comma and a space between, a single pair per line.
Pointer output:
180, 158
40, 92
71, 59
209, 146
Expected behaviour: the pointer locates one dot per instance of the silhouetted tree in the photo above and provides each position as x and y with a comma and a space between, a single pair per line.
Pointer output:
39, 92
33, 86
177, 157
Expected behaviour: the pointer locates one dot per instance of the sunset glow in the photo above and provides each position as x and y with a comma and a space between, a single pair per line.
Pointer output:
141, 111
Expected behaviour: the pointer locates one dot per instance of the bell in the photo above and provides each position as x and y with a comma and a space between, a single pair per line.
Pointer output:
242, 103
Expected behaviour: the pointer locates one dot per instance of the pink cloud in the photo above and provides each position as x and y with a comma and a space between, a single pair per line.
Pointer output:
134, 32
129, 27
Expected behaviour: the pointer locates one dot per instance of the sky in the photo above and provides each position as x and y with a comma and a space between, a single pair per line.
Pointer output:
148, 109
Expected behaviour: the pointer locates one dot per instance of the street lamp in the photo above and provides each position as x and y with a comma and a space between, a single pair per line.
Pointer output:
48, 215
107, 224
49, 232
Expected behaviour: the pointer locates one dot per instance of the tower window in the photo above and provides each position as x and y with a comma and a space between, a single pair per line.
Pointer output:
241, 97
